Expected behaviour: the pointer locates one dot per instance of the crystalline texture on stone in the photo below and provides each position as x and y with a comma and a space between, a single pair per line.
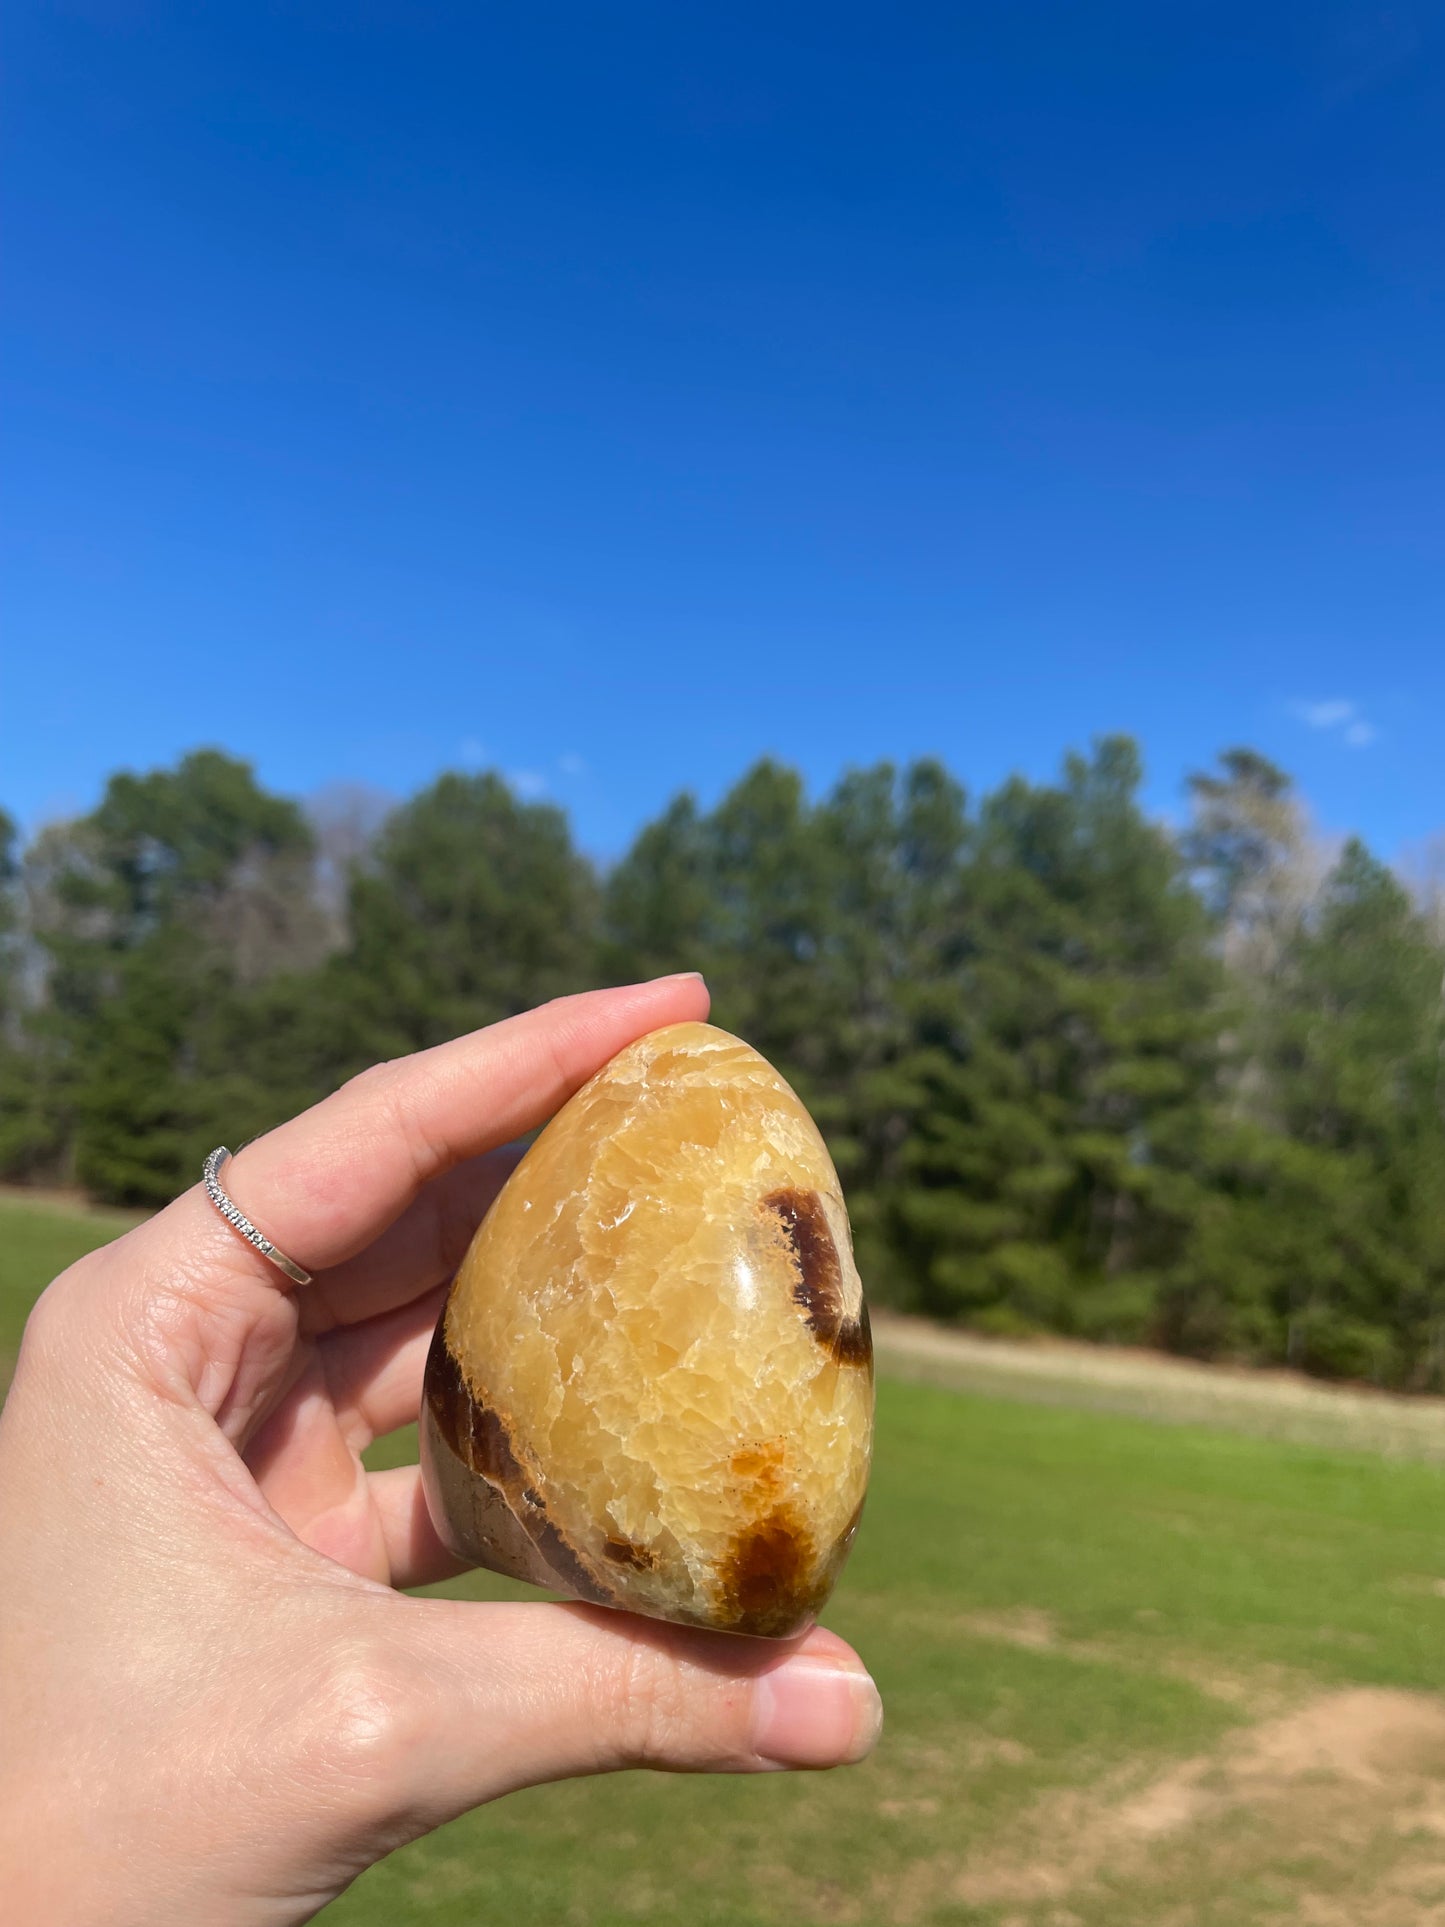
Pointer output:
652, 1384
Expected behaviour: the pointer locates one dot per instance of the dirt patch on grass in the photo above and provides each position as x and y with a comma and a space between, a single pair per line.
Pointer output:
1140, 1384
1344, 1792
68, 1201
1257, 1690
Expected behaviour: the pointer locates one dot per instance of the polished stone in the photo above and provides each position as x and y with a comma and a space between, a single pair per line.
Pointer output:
652, 1384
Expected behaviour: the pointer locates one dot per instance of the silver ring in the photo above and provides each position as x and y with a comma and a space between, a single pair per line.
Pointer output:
237, 1219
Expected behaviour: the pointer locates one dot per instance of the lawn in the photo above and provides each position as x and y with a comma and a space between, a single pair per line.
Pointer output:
1137, 1675
38, 1239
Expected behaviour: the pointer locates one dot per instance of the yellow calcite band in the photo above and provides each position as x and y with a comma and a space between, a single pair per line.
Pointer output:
652, 1383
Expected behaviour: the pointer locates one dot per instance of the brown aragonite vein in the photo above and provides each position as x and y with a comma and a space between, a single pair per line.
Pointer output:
819, 1289
479, 1437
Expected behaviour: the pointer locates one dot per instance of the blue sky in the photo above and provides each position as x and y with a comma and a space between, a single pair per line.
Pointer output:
613, 394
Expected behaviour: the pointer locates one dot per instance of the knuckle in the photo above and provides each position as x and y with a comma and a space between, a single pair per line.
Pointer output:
371, 1082
641, 1705
53, 1327
403, 1118
45, 1335
106, 1324
386, 1096
362, 1725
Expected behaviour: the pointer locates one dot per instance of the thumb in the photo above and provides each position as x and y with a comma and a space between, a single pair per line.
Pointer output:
517, 1694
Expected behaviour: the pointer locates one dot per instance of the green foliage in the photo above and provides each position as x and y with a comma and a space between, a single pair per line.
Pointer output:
1079, 1074
162, 908
1056, 1049
471, 907
27, 1133
1324, 1241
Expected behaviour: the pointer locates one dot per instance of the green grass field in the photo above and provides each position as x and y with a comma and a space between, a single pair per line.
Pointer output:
1137, 1675
37, 1239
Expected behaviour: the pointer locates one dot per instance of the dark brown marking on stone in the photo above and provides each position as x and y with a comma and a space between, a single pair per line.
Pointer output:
476, 1434
853, 1344
819, 1286
491, 1447
479, 1437
447, 1395
625, 1552
765, 1574
563, 1558
819, 1289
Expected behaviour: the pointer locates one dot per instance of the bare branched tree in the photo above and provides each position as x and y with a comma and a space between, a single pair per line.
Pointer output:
345, 820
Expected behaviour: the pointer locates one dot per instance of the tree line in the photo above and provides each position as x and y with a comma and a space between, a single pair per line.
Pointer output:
1080, 1072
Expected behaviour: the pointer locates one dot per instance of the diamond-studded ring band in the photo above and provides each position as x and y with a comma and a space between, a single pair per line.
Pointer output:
237, 1219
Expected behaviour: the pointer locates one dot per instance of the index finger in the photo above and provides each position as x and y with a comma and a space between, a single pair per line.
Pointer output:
324, 1185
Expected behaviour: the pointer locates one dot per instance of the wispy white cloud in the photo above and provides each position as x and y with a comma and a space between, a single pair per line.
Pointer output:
1324, 715
528, 783
472, 751
571, 764
1337, 715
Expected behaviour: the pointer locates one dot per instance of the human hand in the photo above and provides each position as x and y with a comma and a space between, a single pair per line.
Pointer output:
213, 1706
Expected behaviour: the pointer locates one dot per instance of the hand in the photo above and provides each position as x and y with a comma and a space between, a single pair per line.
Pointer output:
213, 1706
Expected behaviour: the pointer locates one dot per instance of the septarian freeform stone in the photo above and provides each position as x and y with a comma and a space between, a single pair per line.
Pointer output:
652, 1385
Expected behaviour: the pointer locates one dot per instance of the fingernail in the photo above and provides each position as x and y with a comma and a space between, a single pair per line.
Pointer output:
681, 977
808, 1712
